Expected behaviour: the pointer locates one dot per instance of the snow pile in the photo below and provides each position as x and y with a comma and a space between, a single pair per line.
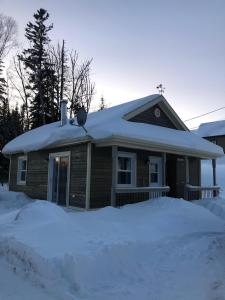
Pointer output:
216, 206
110, 123
158, 249
12, 200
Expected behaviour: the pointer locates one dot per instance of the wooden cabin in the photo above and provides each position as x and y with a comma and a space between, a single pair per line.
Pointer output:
127, 153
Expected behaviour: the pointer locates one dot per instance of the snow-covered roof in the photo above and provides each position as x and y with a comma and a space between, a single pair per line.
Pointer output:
211, 129
110, 124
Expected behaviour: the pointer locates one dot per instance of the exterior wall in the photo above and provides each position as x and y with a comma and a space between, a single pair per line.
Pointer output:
101, 176
37, 174
149, 117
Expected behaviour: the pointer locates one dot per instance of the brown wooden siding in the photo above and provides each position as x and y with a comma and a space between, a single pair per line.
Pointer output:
101, 176
149, 117
37, 174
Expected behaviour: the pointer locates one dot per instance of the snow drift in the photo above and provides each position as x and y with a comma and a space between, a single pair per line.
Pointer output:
158, 249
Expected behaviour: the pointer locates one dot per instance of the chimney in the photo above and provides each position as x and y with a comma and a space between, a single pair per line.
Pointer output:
63, 110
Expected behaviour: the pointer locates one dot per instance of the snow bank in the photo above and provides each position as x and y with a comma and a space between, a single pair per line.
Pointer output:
41, 211
138, 251
12, 200
214, 205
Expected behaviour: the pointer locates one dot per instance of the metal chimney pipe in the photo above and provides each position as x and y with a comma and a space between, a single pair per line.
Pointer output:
63, 110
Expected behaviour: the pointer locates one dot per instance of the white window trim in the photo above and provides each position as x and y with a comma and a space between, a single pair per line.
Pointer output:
21, 182
133, 168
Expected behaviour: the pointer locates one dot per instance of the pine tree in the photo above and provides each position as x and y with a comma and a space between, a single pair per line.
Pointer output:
35, 59
4, 128
102, 103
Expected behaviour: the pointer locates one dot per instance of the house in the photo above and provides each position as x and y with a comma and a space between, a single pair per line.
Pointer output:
128, 153
213, 132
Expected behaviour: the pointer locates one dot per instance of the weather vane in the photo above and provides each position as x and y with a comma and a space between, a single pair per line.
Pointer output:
160, 88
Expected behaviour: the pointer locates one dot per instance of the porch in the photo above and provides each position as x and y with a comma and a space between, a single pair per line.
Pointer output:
140, 175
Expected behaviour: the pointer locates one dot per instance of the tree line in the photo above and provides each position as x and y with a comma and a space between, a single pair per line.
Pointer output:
39, 76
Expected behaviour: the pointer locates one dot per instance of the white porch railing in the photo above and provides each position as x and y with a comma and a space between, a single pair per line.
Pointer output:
147, 192
201, 192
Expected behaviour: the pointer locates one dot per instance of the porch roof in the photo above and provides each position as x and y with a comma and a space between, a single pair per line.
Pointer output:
111, 126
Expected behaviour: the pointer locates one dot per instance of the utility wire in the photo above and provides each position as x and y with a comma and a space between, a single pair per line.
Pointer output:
210, 112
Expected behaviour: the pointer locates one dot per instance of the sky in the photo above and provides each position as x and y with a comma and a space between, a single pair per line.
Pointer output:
136, 45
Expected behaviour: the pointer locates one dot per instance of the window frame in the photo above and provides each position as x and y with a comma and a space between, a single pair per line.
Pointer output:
156, 160
19, 171
132, 156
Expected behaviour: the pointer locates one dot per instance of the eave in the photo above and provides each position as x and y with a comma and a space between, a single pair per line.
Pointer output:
116, 140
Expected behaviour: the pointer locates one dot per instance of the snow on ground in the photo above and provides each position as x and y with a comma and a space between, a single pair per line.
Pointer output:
159, 249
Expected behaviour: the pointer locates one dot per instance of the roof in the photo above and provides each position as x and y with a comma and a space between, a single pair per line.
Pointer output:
211, 129
110, 126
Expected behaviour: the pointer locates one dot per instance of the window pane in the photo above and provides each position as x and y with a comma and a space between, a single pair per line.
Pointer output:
124, 178
22, 175
23, 164
124, 163
154, 177
153, 167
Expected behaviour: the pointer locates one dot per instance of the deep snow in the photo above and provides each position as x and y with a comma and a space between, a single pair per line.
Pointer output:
159, 249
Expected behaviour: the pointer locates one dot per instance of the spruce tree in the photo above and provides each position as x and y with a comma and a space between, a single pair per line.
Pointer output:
4, 126
35, 59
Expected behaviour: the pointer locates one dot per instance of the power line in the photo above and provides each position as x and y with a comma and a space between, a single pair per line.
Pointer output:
210, 112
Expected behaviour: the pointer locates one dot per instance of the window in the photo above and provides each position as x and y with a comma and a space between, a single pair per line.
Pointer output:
22, 170
154, 170
126, 169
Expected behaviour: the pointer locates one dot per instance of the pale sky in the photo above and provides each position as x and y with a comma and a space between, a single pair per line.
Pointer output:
136, 45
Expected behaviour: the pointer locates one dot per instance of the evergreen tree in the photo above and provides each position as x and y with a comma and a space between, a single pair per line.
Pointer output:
35, 59
102, 103
4, 128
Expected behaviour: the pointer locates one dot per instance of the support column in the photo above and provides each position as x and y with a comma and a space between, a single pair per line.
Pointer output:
187, 176
164, 169
114, 170
214, 171
88, 177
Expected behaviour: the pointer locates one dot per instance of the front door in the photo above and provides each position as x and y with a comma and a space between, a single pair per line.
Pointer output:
180, 177
155, 171
58, 182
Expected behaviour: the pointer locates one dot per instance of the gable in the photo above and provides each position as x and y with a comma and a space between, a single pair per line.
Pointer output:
146, 114
150, 117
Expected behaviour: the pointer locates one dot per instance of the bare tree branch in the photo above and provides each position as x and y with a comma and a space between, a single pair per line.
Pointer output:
8, 34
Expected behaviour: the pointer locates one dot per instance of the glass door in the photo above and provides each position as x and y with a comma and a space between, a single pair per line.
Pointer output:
58, 182
62, 182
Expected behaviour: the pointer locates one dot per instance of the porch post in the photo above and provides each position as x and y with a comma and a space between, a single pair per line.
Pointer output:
187, 176
164, 169
214, 171
114, 163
